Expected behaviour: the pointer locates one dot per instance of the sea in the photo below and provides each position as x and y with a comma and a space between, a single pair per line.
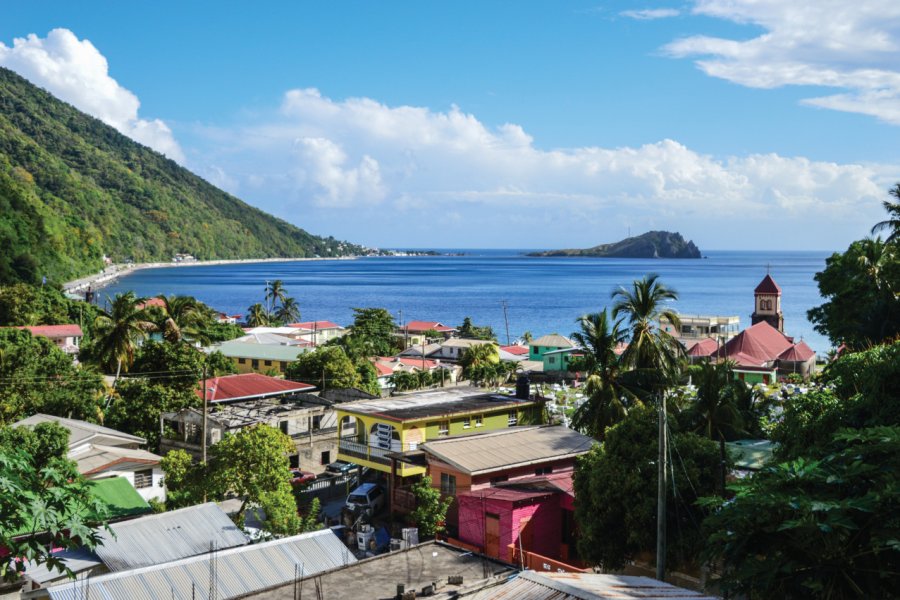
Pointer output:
540, 295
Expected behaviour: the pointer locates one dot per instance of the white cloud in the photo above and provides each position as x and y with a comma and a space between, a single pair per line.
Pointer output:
75, 71
650, 14
852, 46
358, 153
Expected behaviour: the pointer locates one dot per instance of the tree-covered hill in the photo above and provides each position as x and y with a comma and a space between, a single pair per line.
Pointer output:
73, 189
653, 244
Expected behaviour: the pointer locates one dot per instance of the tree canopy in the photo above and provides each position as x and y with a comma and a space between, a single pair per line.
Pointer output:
325, 367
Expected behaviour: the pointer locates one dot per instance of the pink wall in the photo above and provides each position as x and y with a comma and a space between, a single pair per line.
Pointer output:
545, 513
483, 481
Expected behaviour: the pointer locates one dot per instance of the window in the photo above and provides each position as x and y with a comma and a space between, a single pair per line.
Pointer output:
512, 418
552, 360
478, 421
448, 484
283, 425
317, 422
143, 479
443, 427
543, 470
499, 479
467, 422
282, 366
242, 361
326, 458
254, 363
268, 363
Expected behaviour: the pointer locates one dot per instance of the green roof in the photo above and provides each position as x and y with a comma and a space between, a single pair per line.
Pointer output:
259, 351
751, 455
120, 498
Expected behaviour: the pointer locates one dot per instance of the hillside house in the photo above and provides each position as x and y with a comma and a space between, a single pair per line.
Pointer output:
319, 332
548, 343
66, 337
250, 357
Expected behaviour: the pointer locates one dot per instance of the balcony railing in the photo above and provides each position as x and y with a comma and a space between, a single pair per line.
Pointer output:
364, 452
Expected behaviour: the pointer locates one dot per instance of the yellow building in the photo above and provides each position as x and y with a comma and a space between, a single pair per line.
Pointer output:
372, 429
249, 357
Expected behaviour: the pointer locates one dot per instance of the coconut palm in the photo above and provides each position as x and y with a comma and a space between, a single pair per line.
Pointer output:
716, 411
874, 258
480, 362
275, 293
652, 352
119, 331
257, 315
892, 223
608, 395
288, 311
185, 318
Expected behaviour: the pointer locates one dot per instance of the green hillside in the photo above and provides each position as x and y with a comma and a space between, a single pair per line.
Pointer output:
73, 189
653, 244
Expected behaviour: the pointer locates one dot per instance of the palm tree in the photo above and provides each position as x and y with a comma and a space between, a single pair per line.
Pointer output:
608, 396
892, 223
118, 332
652, 352
480, 362
257, 315
275, 293
716, 411
288, 311
185, 318
875, 256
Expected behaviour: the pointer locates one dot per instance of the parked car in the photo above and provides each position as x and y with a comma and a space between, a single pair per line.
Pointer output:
299, 477
340, 467
368, 497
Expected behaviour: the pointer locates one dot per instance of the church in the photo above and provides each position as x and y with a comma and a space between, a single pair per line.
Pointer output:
762, 353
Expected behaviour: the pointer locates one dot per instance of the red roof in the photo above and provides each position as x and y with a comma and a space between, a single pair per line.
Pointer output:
383, 369
407, 361
315, 325
705, 347
150, 302
767, 286
54, 331
517, 350
422, 326
799, 352
250, 385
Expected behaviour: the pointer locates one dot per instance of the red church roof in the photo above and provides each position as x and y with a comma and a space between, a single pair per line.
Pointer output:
767, 286
705, 347
761, 344
250, 385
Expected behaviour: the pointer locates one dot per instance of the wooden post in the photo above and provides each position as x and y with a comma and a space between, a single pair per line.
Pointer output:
205, 425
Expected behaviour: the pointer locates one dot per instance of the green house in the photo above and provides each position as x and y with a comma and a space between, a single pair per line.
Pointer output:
554, 351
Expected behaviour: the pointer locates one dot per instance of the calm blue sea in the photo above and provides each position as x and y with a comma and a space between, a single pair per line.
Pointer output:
544, 295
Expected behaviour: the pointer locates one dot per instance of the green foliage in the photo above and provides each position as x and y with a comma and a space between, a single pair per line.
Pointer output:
860, 287
481, 363
183, 478
404, 381
431, 510
716, 411
328, 362
860, 390
138, 402
22, 304
37, 376
368, 377
616, 485
311, 521
222, 332
474, 332
73, 189
372, 333
258, 316
175, 365
252, 464
119, 331
824, 528
219, 364
41, 491
280, 509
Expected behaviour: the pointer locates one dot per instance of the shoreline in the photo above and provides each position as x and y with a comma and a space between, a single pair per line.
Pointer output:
114, 272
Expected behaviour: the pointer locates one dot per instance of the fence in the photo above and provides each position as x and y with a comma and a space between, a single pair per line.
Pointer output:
328, 488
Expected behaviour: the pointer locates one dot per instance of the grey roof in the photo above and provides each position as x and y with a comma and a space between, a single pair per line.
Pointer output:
82, 431
77, 559
433, 403
234, 349
532, 585
269, 338
168, 536
515, 446
554, 339
94, 458
238, 571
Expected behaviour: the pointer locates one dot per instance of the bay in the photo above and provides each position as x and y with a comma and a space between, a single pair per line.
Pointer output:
543, 295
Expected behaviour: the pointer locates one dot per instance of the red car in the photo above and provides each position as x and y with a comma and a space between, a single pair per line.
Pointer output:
299, 477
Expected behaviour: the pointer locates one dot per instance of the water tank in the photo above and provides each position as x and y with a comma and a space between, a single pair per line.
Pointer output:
523, 387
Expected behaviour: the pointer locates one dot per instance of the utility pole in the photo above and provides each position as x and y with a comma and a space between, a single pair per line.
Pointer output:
506, 320
661, 493
267, 298
205, 411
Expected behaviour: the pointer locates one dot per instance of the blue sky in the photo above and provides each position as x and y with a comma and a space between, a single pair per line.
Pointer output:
528, 124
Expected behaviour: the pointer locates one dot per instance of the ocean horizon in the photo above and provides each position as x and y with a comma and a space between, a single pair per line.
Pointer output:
542, 294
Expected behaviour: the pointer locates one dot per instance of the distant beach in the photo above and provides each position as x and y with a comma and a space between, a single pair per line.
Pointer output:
113, 272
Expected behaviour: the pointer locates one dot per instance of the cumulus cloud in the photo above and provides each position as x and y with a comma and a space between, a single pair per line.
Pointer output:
75, 71
650, 14
851, 46
361, 153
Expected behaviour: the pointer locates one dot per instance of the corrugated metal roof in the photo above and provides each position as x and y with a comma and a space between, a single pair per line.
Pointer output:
239, 571
77, 559
80, 431
585, 586
486, 452
249, 385
168, 536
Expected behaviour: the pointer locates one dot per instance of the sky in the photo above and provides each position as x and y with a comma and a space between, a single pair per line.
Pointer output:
742, 124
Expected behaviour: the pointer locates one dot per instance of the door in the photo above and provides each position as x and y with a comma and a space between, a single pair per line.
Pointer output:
492, 535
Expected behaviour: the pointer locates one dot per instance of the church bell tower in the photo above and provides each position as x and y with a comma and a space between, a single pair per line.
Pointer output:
767, 304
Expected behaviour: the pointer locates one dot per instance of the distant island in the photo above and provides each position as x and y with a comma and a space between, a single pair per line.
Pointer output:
653, 244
